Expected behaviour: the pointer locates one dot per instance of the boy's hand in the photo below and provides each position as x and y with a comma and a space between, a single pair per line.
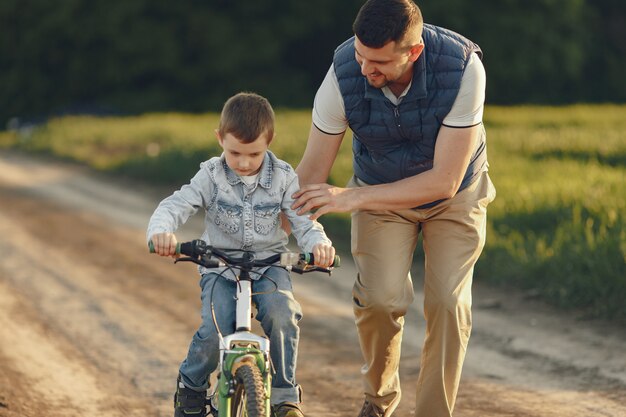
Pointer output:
323, 254
165, 244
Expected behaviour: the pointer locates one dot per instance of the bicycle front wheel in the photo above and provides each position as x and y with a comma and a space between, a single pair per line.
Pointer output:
249, 397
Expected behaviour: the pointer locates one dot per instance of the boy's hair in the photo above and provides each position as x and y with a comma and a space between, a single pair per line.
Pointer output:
382, 21
247, 116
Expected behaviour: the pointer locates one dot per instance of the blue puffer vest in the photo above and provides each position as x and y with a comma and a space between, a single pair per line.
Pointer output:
394, 142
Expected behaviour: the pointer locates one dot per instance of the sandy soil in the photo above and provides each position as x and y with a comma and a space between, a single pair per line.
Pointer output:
90, 324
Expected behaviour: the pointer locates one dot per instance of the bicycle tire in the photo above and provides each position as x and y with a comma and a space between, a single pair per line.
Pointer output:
249, 397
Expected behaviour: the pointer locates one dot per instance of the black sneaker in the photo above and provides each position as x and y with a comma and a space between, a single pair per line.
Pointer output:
287, 409
189, 403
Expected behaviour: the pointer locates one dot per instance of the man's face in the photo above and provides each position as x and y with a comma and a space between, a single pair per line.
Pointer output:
386, 65
244, 158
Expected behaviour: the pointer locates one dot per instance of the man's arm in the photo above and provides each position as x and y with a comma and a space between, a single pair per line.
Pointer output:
453, 151
316, 163
319, 156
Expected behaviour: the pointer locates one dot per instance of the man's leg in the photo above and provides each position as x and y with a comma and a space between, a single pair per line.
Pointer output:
454, 235
382, 245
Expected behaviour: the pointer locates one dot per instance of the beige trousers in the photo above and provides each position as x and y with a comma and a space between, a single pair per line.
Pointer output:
383, 243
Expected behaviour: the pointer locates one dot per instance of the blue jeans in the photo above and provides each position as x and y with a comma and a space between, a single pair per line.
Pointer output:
277, 311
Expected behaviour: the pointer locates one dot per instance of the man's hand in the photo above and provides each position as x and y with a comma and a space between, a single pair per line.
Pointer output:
323, 254
164, 244
325, 198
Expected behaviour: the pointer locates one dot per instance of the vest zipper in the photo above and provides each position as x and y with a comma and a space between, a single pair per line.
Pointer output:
396, 114
403, 164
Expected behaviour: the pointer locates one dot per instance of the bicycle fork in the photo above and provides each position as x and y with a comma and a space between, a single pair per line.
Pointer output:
241, 347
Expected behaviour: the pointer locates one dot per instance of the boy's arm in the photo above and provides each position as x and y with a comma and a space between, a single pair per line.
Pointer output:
176, 209
308, 233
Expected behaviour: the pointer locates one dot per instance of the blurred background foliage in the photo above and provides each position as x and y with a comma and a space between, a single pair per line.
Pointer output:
134, 56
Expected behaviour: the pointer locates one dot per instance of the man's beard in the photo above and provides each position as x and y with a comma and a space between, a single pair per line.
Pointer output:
385, 81
378, 83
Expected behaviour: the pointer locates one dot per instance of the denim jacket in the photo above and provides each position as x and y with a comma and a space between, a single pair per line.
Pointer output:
239, 216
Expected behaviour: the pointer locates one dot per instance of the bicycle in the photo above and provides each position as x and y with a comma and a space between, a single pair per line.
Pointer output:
244, 373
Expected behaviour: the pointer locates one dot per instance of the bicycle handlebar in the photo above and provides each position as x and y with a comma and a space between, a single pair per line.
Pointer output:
197, 251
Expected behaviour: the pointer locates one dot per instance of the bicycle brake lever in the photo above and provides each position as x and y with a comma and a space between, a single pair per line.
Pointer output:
186, 259
325, 270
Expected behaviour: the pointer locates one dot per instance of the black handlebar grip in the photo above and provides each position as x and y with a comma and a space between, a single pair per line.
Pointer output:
310, 259
185, 248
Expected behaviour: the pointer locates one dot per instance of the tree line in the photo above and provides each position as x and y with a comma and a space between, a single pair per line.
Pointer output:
133, 56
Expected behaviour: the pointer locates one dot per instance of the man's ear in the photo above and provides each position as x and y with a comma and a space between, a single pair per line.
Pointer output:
416, 51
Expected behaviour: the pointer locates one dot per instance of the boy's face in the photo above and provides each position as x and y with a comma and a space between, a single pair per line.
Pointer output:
244, 158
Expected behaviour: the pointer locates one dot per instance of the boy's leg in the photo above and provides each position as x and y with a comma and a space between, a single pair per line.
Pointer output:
279, 314
203, 355
383, 243
454, 235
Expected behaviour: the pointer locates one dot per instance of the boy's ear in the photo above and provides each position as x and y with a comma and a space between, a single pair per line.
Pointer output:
219, 137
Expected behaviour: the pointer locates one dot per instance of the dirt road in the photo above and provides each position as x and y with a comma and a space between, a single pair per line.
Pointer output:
91, 325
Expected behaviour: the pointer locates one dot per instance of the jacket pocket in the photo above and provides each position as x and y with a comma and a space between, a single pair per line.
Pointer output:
265, 218
228, 217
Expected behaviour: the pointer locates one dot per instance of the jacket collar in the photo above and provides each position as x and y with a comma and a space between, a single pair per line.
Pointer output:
265, 174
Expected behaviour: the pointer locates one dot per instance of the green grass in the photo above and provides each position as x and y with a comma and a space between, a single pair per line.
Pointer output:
558, 223
557, 226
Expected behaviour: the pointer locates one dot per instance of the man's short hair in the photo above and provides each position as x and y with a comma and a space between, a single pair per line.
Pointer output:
247, 116
382, 21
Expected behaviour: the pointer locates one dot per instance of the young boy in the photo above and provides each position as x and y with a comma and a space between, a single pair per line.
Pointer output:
243, 193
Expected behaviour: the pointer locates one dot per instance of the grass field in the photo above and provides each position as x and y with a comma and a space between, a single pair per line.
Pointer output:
557, 227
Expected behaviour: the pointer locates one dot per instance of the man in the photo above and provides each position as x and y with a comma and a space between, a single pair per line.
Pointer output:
413, 95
